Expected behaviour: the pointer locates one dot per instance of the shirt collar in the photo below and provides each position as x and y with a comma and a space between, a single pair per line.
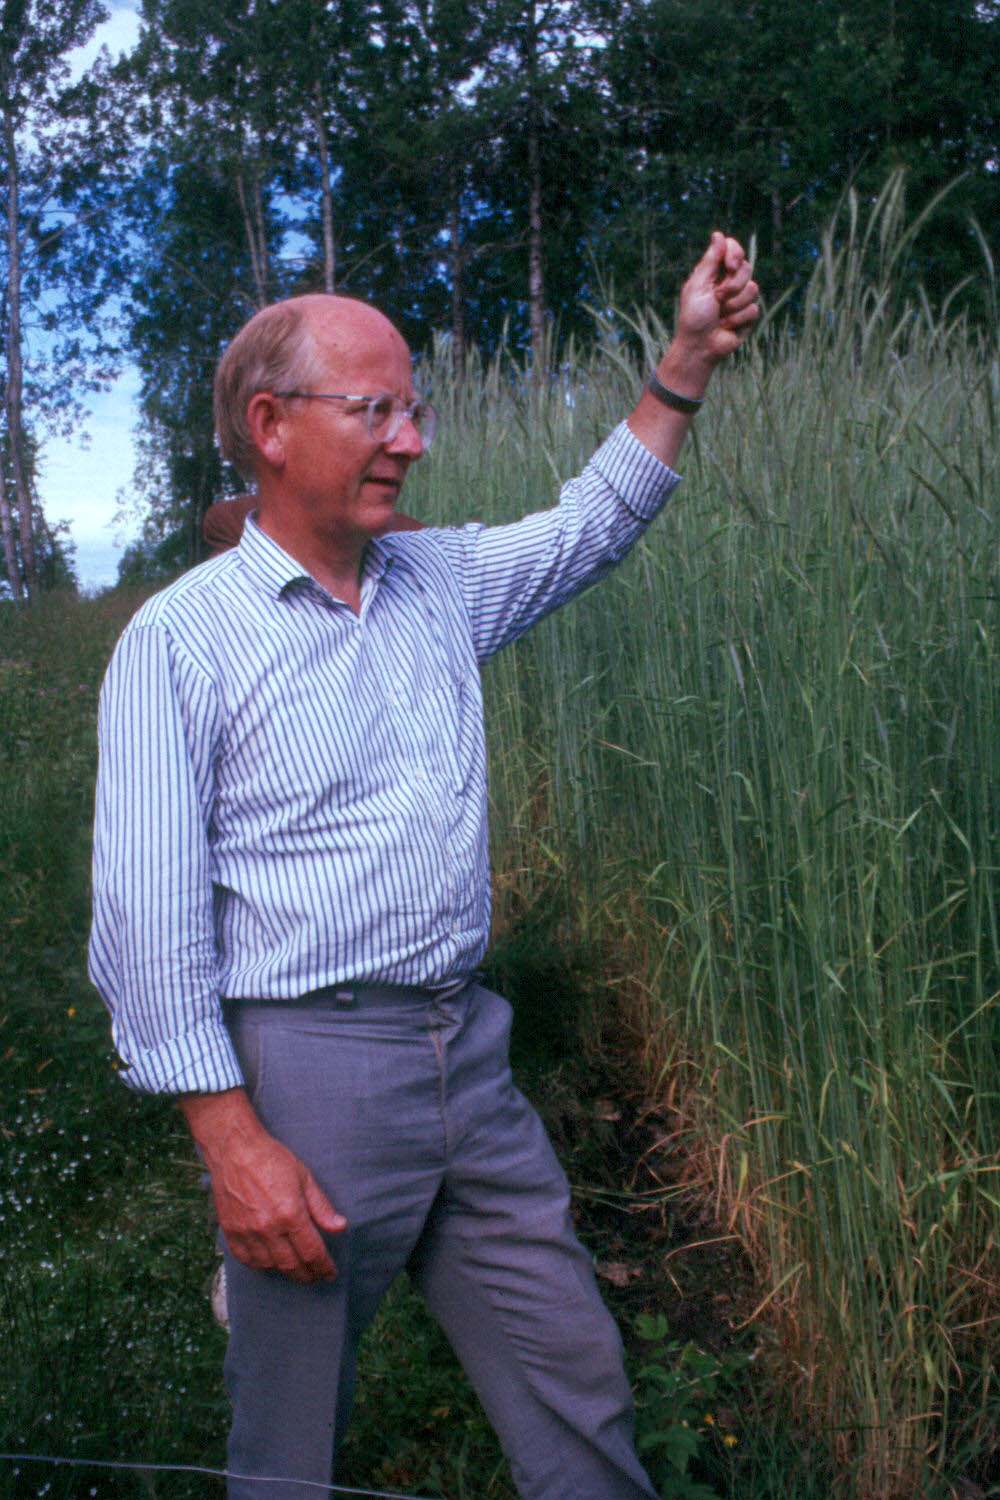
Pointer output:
378, 559
273, 569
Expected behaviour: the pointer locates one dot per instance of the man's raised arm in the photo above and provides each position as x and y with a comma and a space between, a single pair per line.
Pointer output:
512, 576
718, 307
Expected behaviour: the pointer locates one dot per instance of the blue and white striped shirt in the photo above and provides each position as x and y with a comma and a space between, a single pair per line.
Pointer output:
291, 796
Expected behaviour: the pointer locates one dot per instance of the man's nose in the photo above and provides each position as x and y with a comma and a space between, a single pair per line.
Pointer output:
407, 442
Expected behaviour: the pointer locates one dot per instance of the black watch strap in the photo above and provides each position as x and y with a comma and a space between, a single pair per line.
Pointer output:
663, 393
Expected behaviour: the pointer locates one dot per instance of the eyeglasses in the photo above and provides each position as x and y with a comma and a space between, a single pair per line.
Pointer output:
384, 414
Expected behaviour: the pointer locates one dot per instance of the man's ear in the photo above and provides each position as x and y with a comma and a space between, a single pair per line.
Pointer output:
266, 421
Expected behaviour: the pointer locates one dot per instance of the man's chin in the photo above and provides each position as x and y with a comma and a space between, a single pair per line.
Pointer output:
379, 508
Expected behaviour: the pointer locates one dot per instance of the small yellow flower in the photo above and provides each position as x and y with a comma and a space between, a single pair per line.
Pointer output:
71, 1011
708, 1419
730, 1440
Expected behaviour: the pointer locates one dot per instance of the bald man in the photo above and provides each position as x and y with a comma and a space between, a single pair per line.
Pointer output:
292, 894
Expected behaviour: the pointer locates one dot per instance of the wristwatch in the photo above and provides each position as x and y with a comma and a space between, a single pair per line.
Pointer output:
687, 404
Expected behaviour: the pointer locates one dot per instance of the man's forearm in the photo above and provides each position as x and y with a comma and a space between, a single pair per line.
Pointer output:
220, 1122
662, 429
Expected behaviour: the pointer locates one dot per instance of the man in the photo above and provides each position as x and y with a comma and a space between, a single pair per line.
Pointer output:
292, 894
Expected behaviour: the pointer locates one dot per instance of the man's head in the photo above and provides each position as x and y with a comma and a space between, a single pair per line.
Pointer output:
274, 351
319, 456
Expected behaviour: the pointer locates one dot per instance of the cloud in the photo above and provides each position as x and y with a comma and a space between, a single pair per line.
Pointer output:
119, 33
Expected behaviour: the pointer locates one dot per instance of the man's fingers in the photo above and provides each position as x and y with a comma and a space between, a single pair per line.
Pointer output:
734, 254
741, 319
321, 1210
303, 1257
711, 263
286, 1259
740, 299
312, 1256
733, 284
299, 1254
252, 1249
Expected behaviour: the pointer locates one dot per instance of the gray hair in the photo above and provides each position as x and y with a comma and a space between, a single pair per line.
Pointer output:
275, 351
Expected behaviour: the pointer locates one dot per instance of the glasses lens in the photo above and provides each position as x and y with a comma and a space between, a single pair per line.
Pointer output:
386, 415
426, 419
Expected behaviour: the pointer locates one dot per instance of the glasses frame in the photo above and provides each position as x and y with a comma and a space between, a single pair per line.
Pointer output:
421, 413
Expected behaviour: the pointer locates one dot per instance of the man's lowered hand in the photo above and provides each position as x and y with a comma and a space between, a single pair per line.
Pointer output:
271, 1210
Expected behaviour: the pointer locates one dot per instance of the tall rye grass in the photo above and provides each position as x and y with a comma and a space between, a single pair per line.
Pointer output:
763, 761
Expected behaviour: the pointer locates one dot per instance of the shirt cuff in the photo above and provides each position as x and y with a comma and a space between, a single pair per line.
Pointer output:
640, 480
202, 1061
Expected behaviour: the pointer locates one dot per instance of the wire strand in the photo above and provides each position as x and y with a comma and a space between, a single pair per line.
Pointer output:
111, 1463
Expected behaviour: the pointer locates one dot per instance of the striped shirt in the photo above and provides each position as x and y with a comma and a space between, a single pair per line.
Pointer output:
291, 796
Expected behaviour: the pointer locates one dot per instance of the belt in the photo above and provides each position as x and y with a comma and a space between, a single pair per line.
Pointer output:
343, 996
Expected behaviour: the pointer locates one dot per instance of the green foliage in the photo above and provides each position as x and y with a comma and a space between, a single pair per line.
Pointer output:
800, 102
678, 1390
155, 562
642, 125
59, 259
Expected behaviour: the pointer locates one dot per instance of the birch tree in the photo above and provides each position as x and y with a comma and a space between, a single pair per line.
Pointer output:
56, 263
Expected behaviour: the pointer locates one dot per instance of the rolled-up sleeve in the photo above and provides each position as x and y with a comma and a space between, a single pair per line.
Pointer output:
512, 576
153, 954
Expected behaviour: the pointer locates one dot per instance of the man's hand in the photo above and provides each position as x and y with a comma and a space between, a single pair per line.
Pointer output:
718, 302
270, 1207
717, 310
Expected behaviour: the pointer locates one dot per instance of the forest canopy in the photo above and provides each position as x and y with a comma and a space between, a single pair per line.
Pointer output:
489, 171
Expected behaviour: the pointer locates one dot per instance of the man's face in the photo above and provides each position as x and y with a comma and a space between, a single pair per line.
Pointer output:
345, 481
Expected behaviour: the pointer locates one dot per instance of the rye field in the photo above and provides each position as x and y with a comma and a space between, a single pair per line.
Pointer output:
755, 779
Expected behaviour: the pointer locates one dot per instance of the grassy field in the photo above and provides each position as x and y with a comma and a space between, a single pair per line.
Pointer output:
755, 779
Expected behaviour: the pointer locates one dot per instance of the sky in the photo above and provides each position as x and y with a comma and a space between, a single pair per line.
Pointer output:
78, 483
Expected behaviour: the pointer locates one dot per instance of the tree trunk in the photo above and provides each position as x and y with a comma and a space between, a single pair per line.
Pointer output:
326, 200
777, 235
256, 239
457, 298
9, 549
262, 251
536, 280
13, 396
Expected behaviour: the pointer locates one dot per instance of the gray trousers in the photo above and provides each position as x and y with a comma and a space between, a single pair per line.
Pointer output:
403, 1107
